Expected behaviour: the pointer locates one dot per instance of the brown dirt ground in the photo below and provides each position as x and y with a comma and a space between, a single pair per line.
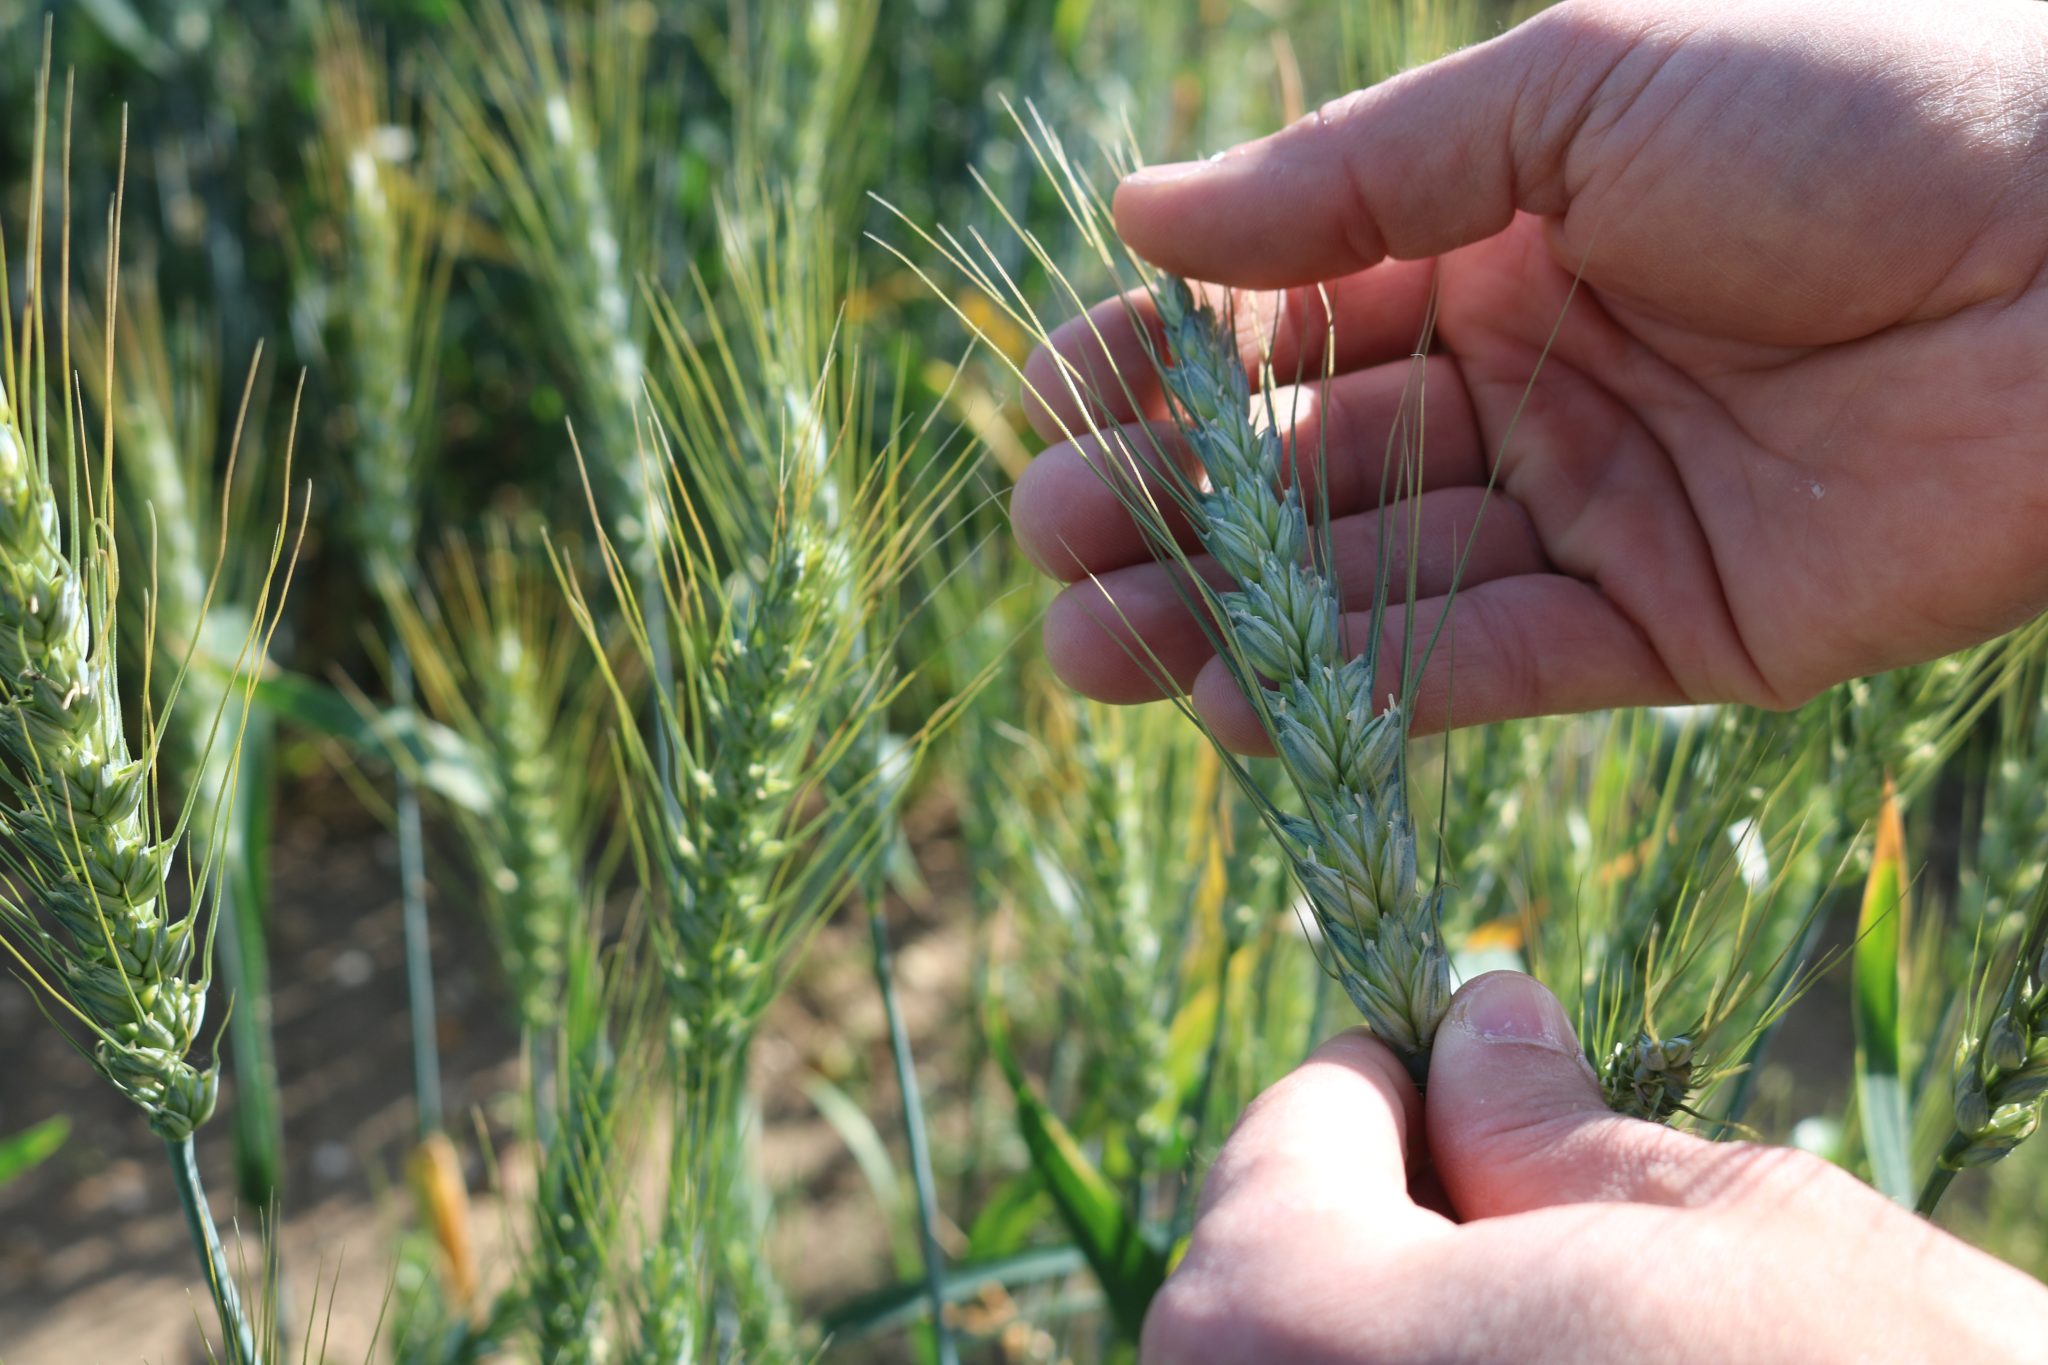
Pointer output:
94, 1261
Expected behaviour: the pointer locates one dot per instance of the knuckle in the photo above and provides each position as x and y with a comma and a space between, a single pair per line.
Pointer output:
1774, 1177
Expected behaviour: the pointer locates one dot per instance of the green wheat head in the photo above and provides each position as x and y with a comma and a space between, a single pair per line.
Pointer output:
757, 791
1343, 815
88, 855
498, 659
556, 122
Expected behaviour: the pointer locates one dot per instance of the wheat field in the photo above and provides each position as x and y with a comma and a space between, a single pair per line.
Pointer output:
525, 752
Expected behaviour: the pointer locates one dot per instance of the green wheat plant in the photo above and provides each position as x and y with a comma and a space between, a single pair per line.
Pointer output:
1652, 868
789, 534
1108, 868
1999, 1057
572, 1265
89, 852
499, 661
2001, 1073
1682, 930
386, 292
193, 611
1154, 966
555, 122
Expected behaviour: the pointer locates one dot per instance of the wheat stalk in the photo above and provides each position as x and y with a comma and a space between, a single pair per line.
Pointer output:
568, 1274
394, 271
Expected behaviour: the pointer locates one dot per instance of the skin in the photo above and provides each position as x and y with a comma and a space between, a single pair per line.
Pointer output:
1791, 431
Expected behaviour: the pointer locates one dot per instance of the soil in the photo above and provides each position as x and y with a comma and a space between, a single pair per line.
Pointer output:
95, 1264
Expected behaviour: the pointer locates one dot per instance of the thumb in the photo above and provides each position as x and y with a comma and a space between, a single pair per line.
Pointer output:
1516, 1119
1427, 161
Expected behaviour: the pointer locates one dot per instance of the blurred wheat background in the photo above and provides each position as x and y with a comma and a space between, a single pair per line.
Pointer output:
657, 904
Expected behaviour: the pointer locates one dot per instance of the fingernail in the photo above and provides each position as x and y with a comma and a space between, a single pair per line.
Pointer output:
1510, 1007
1166, 172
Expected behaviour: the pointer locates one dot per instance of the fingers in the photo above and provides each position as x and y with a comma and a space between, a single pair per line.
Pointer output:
1119, 636
1305, 1208
1517, 1121
1333, 1131
1130, 636
1108, 375
1428, 161
1069, 510
1530, 645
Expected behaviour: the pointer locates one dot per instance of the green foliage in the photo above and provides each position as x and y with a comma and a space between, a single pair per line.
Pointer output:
1126, 1258
22, 1152
1877, 968
719, 639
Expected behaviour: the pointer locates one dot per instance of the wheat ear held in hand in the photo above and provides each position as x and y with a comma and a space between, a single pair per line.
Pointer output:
1354, 847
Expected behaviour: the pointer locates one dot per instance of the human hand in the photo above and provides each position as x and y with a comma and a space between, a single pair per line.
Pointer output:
1792, 428
1540, 1226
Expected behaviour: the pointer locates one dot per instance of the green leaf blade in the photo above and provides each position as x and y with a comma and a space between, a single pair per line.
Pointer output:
31, 1147
1876, 971
1129, 1263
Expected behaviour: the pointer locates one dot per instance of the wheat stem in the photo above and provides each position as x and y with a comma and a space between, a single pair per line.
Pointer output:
220, 1278
915, 1136
419, 953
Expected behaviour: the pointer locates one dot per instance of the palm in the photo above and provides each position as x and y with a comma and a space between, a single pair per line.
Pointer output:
1788, 431
1772, 516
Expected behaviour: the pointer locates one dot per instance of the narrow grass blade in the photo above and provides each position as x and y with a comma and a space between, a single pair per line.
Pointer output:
31, 1147
440, 760
1875, 976
1130, 1264
898, 1304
